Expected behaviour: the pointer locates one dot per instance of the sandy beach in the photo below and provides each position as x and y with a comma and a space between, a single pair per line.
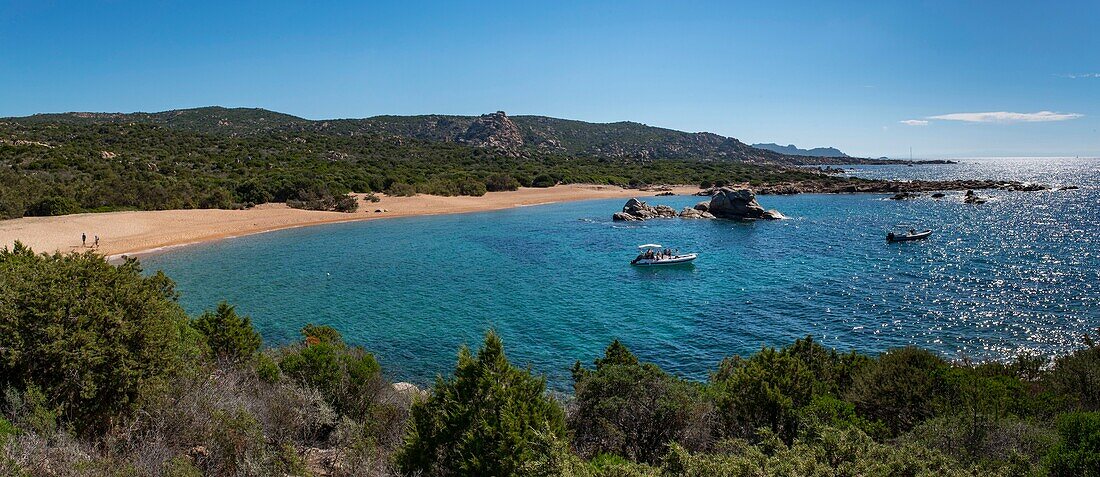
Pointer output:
133, 233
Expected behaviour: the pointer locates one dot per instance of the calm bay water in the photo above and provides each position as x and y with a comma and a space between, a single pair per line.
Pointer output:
1017, 274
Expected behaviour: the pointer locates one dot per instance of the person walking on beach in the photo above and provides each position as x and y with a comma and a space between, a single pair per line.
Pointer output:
96, 241
83, 239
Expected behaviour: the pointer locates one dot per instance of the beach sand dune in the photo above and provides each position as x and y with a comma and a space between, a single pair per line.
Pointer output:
143, 231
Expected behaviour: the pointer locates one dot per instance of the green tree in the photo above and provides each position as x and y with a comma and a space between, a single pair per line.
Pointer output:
53, 205
1078, 451
229, 335
901, 388
93, 337
634, 410
347, 376
489, 419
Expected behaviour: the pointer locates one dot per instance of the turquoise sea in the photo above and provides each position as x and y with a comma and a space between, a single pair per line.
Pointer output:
1017, 274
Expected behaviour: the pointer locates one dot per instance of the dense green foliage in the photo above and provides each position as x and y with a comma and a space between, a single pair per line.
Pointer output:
50, 167
95, 339
484, 421
229, 336
634, 409
1078, 449
103, 374
348, 377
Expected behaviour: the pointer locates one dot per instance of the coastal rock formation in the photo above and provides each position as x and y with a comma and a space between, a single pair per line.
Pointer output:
638, 210
856, 185
739, 204
972, 198
905, 195
664, 211
693, 213
938, 195
495, 131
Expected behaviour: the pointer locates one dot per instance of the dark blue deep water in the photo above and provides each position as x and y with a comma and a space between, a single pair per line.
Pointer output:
1017, 274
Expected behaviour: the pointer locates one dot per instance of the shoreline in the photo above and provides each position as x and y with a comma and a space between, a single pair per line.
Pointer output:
135, 233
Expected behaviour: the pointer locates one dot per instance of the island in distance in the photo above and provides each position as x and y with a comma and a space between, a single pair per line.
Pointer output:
793, 150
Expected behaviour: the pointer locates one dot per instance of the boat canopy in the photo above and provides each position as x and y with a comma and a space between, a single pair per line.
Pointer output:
650, 245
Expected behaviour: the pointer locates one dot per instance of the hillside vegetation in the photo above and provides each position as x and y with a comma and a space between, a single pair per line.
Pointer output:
216, 158
530, 134
103, 374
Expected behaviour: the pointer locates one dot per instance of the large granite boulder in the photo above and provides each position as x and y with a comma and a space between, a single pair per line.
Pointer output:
739, 204
703, 206
638, 210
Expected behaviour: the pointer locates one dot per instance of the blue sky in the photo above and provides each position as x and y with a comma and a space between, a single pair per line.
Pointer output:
809, 73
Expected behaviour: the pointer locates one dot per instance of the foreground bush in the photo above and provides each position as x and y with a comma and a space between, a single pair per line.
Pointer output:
96, 339
768, 389
635, 410
348, 377
487, 420
1078, 451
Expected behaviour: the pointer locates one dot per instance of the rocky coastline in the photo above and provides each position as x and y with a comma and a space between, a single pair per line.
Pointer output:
853, 186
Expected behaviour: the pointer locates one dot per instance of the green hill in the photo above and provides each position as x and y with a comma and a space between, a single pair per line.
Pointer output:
515, 136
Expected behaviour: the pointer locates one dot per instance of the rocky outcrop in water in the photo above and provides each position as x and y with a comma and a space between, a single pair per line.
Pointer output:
739, 204
638, 210
972, 198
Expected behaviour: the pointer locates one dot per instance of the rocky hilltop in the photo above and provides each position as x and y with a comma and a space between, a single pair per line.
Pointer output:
494, 131
514, 136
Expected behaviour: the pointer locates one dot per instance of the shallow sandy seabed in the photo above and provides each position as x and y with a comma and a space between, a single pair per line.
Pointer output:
144, 231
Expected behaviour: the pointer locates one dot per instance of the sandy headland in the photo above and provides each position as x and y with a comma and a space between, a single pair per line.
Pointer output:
136, 232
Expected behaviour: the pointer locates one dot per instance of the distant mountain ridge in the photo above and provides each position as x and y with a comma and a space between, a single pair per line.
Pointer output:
791, 149
511, 135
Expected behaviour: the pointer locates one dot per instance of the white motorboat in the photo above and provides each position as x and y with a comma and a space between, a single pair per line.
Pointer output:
912, 235
652, 255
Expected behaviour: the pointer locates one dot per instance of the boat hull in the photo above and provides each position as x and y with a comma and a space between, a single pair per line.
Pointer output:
909, 238
658, 262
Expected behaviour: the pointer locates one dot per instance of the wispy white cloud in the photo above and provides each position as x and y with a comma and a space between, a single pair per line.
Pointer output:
1081, 75
914, 122
1008, 117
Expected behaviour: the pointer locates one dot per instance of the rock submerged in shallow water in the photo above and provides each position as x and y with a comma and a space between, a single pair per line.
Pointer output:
904, 195
938, 195
739, 204
972, 198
